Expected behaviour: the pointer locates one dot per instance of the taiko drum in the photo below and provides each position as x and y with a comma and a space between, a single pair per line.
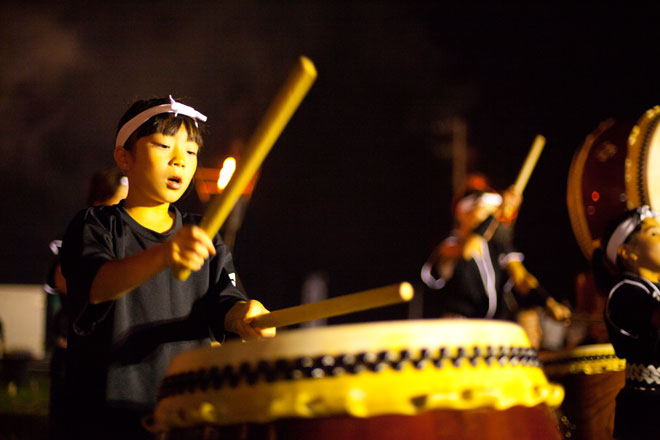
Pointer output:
431, 379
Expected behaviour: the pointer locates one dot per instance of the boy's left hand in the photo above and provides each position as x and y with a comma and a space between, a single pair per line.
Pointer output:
239, 320
522, 279
559, 312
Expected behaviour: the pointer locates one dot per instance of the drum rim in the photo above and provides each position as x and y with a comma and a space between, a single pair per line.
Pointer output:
574, 201
385, 334
584, 359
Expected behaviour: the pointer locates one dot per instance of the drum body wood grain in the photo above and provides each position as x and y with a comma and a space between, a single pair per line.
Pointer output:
432, 379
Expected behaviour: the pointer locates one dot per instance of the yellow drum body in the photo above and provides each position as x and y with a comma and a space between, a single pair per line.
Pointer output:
377, 380
592, 376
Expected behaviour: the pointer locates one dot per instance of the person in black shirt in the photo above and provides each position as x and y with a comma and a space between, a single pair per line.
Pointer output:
628, 263
129, 314
477, 273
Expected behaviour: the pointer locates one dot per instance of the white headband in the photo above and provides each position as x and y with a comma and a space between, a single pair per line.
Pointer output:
468, 203
173, 107
55, 246
625, 228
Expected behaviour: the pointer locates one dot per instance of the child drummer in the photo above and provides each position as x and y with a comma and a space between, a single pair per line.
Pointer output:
631, 250
479, 271
130, 315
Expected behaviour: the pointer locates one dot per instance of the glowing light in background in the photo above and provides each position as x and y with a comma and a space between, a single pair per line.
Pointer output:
228, 168
595, 196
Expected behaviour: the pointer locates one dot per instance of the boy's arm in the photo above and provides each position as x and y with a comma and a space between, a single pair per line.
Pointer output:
239, 320
188, 249
522, 279
525, 283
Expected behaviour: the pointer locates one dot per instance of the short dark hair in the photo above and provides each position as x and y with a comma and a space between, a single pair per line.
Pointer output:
164, 123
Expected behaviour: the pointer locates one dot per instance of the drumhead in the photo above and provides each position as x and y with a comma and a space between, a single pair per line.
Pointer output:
361, 370
643, 164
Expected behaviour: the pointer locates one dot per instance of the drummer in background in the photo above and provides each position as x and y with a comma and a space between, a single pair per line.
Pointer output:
129, 314
106, 187
477, 270
628, 262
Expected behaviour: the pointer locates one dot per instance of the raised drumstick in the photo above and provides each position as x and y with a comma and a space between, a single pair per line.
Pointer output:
530, 163
271, 125
341, 305
522, 179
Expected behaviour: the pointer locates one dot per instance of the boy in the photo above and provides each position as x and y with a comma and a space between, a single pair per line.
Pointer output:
630, 252
480, 273
129, 314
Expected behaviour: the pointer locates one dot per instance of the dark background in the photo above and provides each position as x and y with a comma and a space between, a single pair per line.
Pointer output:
357, 186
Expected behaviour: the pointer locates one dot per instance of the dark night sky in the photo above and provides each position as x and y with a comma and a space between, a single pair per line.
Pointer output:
354, 186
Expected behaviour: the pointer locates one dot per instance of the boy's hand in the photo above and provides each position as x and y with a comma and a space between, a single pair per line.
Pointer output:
559, 312
472, 246
522, 279
239, 320
450, 251
511, 200
189, 248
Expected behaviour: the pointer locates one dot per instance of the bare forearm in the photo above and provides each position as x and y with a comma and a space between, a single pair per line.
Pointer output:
188, 249
118, 277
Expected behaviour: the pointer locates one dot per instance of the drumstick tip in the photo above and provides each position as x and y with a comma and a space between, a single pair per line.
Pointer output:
406, 291
308, 66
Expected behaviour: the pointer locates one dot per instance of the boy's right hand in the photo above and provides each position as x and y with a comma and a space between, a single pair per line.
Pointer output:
511, 200
239, 319
472, 246
189, 248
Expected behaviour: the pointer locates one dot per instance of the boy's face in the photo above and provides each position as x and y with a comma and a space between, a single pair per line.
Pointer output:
160, 167
474, 217
645, 245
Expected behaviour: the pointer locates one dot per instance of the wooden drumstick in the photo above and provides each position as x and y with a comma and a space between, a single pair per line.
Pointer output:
530, 163
271, 125
340, 305
521, 180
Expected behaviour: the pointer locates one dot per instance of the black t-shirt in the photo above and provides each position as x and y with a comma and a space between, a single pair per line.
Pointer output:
119, 351
476, 288
631, 305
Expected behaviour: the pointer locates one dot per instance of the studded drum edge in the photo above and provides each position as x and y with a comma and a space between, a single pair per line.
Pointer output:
308, 367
